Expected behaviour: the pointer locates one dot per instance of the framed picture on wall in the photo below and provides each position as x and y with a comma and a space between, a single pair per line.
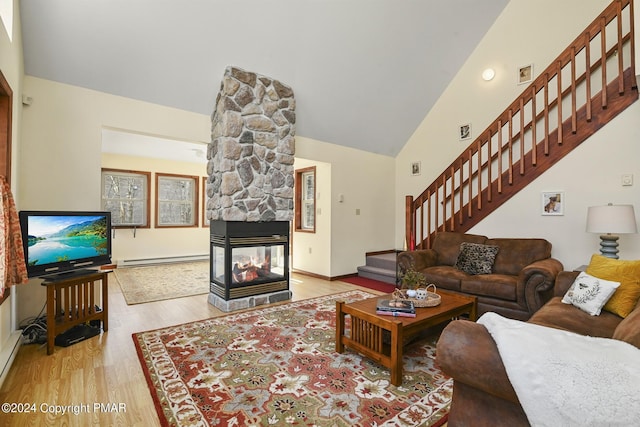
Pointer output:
552, 203
525, 74
415, 168
464, 131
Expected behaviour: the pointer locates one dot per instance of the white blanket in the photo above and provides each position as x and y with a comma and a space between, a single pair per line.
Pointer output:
566, 379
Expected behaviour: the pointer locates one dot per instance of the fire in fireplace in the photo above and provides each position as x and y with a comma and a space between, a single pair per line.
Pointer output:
249, 258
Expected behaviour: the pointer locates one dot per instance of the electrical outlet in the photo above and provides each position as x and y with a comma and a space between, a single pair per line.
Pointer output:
627, 179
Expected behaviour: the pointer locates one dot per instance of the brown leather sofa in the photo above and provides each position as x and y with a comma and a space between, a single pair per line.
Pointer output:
521, 280
482, 393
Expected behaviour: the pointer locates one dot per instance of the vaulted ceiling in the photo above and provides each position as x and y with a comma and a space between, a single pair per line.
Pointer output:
364, 72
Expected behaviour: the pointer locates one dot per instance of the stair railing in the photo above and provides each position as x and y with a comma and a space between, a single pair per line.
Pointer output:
589, 83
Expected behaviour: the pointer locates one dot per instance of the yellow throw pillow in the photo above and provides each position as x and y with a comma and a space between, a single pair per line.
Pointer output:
623, 301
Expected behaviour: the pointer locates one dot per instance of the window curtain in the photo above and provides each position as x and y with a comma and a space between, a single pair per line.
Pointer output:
13, 269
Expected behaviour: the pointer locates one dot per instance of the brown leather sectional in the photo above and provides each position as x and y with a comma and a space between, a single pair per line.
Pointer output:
521, 280
482, 393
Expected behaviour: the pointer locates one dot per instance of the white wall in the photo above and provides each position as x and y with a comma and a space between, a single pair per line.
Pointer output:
312, 251
591, 176
11, 65
61, 152
636, 12
62, 139
57, 154
62, 145
363, 221
159, 242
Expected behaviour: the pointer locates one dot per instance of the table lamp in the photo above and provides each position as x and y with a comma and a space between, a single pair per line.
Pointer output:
609, 221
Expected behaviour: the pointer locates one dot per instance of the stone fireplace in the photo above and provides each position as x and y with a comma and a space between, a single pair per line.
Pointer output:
250, 190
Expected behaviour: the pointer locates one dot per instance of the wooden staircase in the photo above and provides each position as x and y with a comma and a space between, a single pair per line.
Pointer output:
592, 81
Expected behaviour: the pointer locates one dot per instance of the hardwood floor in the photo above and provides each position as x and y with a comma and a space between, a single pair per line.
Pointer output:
105, 369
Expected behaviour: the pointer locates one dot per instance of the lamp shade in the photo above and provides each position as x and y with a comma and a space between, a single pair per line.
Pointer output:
611, 219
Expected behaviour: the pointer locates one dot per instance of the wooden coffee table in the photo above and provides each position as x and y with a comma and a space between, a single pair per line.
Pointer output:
368, 328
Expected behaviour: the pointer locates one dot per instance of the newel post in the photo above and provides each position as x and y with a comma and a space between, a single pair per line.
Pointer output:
410, 226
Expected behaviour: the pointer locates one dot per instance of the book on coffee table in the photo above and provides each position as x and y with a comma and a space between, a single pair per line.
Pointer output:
395, 313
388, 305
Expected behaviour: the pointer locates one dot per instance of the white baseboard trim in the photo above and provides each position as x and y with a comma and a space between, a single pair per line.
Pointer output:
160, 260
8, 353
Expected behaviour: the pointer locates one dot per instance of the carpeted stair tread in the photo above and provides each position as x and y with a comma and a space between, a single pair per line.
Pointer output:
385, 261
380, 267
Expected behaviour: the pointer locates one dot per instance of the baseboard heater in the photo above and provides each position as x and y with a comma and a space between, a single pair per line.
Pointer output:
161, 260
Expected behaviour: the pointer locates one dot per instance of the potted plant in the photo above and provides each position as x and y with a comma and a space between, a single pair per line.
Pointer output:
412, 280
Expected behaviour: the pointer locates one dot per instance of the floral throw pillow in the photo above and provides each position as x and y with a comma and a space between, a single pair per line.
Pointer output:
589, 293
476, 258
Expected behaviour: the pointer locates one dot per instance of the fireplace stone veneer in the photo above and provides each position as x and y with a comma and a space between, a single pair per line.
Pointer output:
250, 167
250, 189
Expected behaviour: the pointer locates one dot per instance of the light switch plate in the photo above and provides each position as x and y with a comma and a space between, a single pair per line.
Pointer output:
627, 179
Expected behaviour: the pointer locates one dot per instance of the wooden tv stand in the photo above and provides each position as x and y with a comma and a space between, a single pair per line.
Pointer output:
72, 301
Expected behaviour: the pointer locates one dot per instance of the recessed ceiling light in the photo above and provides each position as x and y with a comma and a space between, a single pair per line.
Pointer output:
488, 74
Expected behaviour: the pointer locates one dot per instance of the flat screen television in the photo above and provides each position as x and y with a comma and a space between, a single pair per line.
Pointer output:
64, 242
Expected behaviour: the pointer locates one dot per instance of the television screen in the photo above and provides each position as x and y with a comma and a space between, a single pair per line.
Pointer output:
57, 242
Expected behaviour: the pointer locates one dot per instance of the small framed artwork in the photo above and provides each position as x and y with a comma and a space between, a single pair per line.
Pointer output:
464, 132
525, 74
415, 168
552, 203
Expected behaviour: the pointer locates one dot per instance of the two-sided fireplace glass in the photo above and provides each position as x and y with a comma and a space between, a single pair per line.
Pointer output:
250, 264
249, 258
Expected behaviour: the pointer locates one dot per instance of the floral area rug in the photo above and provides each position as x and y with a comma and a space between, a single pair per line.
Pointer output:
277, 366
164, 281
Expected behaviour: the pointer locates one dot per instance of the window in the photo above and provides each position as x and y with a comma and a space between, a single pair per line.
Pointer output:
305, 209
6, 106
6, 15
177, 200
126, 195
205, 220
